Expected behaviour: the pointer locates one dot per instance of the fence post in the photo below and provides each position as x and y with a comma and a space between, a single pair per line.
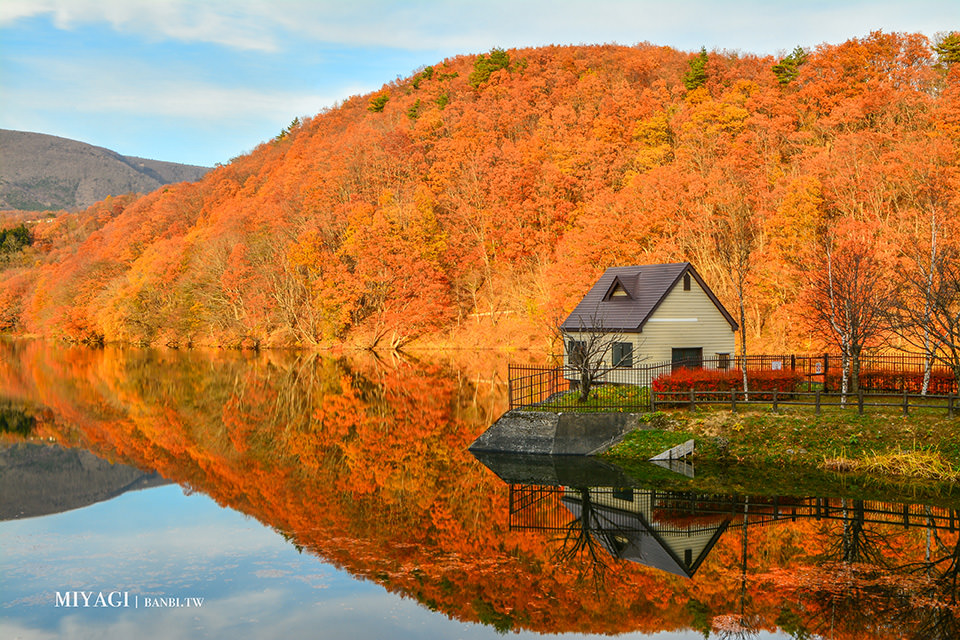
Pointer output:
775, 400
906, 406
860, 401
793, 362
818, 401
826, 368
693, 404
510, 388
733, 400
950, 405
653, 399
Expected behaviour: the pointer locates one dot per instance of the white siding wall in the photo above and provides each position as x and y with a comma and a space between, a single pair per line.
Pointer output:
686, 319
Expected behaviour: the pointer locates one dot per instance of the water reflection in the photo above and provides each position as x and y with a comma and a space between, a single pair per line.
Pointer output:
626, 524
361, 465
49, 479
862, 577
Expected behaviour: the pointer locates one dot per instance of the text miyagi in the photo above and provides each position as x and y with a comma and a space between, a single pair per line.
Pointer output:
120, 599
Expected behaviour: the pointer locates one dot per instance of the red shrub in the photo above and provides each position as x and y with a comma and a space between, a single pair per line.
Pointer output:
683, 380
941, 382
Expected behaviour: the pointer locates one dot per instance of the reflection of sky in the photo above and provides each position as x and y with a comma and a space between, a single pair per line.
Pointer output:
160, 542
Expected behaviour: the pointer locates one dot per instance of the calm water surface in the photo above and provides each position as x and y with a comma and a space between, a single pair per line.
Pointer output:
277, 495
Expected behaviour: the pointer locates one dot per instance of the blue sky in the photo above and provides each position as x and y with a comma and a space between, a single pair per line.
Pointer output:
202, 81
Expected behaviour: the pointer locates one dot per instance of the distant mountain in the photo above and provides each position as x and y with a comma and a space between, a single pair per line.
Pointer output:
40, 172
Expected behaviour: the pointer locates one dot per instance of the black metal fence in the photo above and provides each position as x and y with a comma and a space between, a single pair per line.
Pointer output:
630, 388
557, 388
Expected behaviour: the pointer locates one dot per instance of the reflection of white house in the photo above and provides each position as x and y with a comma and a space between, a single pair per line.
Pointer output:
660, 313
623, 521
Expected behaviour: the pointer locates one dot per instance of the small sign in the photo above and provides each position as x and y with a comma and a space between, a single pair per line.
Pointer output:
676, 452
818, 368
776, 365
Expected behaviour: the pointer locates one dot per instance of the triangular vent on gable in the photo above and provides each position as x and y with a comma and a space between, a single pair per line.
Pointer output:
618, 290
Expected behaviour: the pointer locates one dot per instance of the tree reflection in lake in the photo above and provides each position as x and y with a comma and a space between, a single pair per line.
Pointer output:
362, 463
858, 582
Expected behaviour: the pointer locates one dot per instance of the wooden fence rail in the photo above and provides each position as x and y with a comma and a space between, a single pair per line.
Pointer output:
817, 399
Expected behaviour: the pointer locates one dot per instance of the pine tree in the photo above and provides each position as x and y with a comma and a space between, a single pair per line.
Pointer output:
948, 49
696, 76
484, 66
788, 68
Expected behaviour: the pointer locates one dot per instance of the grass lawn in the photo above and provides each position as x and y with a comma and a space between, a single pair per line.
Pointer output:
608, 397
923, 445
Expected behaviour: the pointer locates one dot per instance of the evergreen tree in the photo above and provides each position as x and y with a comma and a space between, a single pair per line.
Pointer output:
788, 68
484, 66
15, 239
378, 101
948, 49
696, 76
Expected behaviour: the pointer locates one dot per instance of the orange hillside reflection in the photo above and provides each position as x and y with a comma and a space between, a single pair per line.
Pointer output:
363, 463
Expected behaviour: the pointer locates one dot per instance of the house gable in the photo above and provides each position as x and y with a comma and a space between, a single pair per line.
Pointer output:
688, 288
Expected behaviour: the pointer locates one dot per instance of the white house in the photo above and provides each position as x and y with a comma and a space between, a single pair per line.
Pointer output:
654, 313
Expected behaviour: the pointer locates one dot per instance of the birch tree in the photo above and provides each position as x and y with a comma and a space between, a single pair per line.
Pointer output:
849, 295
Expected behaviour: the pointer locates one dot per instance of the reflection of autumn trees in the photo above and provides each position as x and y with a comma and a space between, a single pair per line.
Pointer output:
863, 581
362, 462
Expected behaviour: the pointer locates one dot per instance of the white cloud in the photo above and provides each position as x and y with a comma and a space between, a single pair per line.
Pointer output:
204, 102
137, 88
469, 26
234, 24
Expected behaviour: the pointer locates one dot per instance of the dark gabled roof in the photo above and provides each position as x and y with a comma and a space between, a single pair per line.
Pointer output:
646, 285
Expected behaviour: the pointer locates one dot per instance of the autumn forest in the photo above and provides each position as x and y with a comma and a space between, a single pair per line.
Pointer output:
473, 202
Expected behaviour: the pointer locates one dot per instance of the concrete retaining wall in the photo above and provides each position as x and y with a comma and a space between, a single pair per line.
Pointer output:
546, 432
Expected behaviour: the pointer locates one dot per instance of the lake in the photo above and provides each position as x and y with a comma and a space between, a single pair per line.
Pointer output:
218, 494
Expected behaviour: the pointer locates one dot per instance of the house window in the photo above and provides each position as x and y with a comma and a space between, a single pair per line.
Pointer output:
623, 494
622, 354
723, 361
686, 282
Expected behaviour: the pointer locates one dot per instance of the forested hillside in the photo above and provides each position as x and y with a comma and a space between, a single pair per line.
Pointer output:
475, 201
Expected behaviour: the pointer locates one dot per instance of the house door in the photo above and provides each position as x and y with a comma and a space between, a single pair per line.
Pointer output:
691, 358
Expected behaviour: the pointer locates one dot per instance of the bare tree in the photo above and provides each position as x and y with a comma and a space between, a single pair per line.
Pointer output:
928, 194
850, 297
927, 314
736, 239
586, 542
587, 351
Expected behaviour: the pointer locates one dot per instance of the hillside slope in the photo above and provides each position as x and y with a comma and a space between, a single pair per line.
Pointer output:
40, 172
474, 202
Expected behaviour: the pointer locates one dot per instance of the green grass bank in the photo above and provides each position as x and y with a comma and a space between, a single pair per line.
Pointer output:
795, 450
